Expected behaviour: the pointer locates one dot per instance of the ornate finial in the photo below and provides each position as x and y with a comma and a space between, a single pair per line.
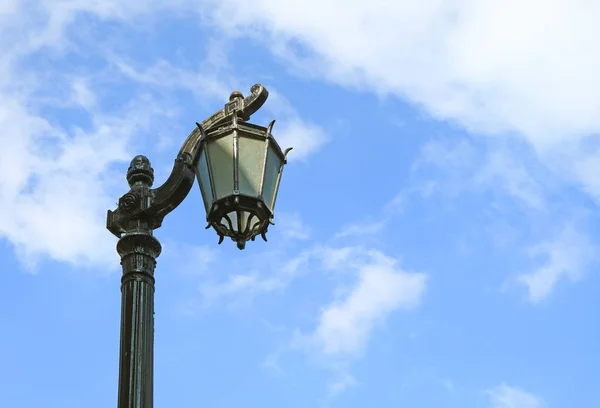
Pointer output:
140, 170
236, 95
236, 104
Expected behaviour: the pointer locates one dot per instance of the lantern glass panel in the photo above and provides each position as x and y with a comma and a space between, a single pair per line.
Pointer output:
223, 223
243, 218
272, 169
220, 155
251, 160
204, 178
234, 220
255, 222
238, 223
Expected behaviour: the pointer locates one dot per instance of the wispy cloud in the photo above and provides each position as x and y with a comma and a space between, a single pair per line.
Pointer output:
459, 165
360, 229
215, 78
343, 328
382, 287
292, 226
448, 65
57, 181
341, 381
212, 79
516, 186
58, 177
369, 287
506, 396
56, 200
262, 274
566, 256
304, 136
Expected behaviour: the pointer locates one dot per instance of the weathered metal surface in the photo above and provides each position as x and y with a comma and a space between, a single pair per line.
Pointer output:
134, 223
138, 252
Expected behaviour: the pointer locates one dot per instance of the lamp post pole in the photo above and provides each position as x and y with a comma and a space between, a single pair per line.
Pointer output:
141, 211
239, 207
138, 250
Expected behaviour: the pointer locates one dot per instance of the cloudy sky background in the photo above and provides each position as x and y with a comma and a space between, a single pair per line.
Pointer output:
437, 230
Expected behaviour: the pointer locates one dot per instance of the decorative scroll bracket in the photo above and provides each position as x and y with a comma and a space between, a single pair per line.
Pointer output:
237, 105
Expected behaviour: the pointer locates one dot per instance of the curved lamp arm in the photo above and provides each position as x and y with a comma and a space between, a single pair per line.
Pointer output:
150, 206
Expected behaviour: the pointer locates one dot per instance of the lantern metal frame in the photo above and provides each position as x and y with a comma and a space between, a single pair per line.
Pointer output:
252, 215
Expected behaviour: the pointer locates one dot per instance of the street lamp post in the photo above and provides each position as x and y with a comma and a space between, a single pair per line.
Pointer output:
238, 166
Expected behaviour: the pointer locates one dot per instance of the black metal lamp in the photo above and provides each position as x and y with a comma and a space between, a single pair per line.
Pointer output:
238, 166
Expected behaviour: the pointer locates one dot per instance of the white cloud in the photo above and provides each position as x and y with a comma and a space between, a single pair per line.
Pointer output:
273, 271
196, 261
303, 136
362, 229
341, 382
449, 385
584, 170
345, 325
460, 166
340, 259
55, 190
456, 58
379, 288
264, 273
82, 94
525, 67
501, 169
567, 256
453, 155
292, 131
214, 79
292, 226
271, 363
368, 288
8, 7
505, 396
57, 182
45, 23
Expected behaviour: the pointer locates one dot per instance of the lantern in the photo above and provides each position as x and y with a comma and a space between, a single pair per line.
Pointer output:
238, 168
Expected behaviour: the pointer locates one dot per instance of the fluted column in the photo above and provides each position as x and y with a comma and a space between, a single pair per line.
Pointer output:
138, 251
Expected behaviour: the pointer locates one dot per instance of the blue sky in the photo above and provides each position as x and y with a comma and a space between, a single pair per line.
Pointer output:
436, 228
